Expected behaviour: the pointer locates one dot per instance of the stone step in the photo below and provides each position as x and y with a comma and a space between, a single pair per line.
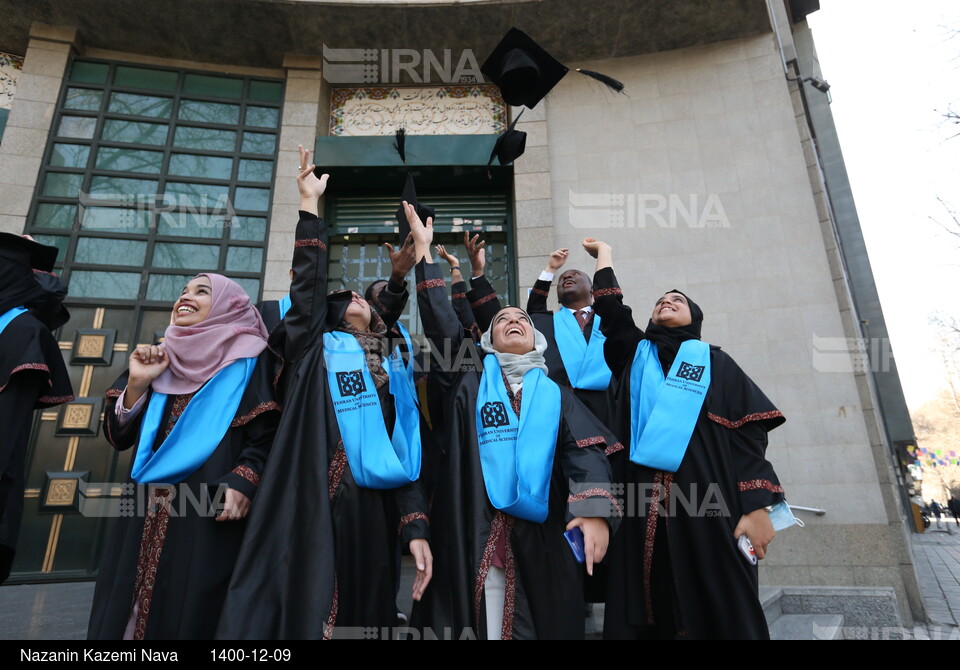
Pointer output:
807, 627
771, 598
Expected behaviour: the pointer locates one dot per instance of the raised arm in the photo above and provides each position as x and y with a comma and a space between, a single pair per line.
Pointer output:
308, 292
393, 297
617, 322
458, 290
537, 301
440, 322
481, 297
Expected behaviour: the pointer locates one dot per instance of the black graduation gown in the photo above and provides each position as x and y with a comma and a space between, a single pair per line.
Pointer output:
544, 592
270, 313
436, 387
320, 551
682, 575
196, 552
598, 402
32, 376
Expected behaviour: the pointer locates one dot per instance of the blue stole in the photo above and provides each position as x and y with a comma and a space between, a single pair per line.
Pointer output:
284, 305
586, 368
516, 457
396, 359
664, 412
377, 461
10, 315
198, 431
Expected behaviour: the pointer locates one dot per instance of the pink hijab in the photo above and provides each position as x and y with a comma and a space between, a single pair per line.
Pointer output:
232, 330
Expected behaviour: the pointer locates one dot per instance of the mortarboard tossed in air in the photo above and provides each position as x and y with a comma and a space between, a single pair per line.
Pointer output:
409, 191
525, 72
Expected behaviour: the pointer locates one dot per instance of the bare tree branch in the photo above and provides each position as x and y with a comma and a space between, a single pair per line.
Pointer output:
953, 229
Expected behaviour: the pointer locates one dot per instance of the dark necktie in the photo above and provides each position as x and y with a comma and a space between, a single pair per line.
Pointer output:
582, 317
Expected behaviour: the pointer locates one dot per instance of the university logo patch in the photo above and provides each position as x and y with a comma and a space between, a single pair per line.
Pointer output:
351, 383
691, 372
494, 415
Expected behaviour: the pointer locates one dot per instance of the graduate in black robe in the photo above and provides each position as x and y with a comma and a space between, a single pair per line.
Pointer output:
32, 371
675, 570
390, 300
319, 557
575, 293
165, 570
539, 592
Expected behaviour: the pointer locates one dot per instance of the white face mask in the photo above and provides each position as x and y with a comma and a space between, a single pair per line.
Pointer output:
781, 516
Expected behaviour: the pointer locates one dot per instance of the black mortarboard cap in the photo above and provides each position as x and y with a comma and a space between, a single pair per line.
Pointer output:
28, 253
510, 144
410, 196
523, 70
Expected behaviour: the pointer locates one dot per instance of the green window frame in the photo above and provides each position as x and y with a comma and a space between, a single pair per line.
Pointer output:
152, 174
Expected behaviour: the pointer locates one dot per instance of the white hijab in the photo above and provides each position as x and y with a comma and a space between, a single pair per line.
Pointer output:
515, 366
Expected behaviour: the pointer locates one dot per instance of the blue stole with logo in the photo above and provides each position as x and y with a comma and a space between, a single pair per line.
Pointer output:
516, 456
664, 412
377, 461
198, 431
284, 305
10, 315
586, 368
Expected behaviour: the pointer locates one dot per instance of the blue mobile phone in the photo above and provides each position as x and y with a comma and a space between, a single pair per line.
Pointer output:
575, 540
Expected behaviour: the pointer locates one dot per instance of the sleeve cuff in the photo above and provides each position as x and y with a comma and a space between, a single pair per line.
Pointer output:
758, 493
545, 276
242, 479
396, 289
126, 415
429, 276
414, 526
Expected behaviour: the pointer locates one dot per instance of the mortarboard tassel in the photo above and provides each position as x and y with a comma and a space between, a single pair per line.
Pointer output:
400, 144
603, 79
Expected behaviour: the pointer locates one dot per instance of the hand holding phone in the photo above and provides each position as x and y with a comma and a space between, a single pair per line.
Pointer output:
746, 548
574, 538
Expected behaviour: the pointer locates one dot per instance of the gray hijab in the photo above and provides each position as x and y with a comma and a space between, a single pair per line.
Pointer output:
515, 366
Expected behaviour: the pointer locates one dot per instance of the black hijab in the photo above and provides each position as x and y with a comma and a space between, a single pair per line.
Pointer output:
26, 279
17, 286
668, 339
374, 300
372, 341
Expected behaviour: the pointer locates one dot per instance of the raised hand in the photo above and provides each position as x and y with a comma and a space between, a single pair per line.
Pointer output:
421, 232
311, 187
556, 260
447, 256
476, 252
402, 259
602, 251
146, 364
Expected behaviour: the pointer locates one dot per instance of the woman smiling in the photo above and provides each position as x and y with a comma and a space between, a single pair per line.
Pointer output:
199, 411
